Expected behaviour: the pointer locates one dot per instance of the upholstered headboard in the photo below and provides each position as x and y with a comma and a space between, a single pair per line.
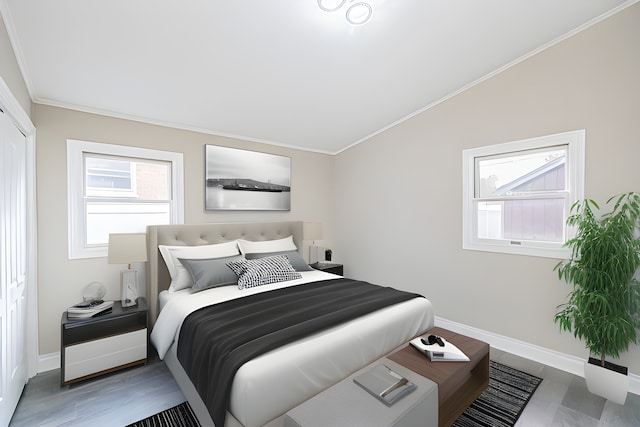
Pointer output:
204, 234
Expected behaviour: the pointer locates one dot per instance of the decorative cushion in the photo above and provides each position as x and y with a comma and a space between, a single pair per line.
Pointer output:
247, 247
297, 262
211, 272
262, 271
180, 277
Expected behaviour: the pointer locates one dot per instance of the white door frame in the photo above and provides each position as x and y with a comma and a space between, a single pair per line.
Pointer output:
14, 110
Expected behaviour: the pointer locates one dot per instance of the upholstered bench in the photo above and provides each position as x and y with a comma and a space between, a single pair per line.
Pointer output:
347, 404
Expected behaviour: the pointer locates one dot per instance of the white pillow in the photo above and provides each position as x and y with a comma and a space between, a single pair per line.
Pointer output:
286, 244
180, 276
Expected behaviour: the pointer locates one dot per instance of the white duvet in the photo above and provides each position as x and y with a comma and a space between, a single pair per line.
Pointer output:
176, 306
270, 385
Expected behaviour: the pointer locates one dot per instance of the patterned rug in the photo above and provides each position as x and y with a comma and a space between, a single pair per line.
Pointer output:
504, 399
178, 416
500, 405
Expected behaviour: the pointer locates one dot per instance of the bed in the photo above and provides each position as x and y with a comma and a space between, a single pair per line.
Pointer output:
266, 387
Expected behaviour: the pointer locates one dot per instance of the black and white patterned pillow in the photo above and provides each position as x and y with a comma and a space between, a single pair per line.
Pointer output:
262, 271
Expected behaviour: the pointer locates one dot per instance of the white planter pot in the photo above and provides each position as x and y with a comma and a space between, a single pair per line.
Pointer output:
606, 383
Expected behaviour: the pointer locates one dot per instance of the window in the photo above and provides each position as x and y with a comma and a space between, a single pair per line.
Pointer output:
517, 195
111, 176
119, 189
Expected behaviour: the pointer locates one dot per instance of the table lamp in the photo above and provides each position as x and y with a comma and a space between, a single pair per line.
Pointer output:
126, 248
312, 231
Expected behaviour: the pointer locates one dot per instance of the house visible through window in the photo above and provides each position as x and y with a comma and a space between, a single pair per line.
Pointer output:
109, 176
517, 195
119, 189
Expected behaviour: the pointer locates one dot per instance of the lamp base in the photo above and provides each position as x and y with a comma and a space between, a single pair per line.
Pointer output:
129, 288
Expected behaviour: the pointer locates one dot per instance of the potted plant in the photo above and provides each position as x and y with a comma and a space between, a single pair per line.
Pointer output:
604, 306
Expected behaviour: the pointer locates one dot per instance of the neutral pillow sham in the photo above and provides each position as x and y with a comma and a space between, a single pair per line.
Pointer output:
247, 247
180, 277
211, 272
296, 260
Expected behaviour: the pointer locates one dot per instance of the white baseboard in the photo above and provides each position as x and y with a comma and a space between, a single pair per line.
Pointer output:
48, 362
555, 359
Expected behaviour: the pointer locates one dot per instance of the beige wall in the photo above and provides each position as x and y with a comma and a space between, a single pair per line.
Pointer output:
10, 72
399, 194
397, 209
61, 281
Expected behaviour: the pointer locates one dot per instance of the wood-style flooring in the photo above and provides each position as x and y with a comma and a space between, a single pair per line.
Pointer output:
116, 399
124, 397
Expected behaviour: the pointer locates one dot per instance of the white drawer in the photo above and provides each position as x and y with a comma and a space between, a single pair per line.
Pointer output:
99, 355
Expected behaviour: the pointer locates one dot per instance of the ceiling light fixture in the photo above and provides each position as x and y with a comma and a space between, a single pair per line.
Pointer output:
357, 14
331, 5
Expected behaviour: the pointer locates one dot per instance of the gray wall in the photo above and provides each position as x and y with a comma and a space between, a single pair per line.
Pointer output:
61, 281
399, 194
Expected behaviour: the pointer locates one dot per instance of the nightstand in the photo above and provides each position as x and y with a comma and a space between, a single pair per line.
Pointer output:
329, 267
98, 345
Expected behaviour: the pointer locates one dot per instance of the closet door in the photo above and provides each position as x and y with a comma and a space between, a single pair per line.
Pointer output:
13, 271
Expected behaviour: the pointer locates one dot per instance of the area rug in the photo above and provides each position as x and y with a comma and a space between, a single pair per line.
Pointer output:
500, 405
178, 416
504, 399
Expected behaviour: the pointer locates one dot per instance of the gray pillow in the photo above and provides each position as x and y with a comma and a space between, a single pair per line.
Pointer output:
298, 263
211, 272
263, 271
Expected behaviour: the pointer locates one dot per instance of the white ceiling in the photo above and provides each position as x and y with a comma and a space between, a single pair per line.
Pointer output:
276, 71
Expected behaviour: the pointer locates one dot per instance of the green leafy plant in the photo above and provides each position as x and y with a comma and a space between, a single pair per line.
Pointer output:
604, 306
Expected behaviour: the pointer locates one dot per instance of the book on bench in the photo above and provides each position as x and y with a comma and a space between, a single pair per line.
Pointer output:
436, 352
383, 383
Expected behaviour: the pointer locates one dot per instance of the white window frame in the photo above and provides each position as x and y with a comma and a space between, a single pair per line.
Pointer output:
75, 189
575, 170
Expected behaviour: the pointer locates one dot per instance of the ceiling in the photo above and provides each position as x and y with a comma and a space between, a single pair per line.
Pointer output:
276, 71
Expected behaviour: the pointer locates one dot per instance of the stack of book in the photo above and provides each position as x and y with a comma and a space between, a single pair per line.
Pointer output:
383, 383
84, 310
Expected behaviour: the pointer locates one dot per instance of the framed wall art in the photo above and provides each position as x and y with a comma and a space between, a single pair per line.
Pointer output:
246, 180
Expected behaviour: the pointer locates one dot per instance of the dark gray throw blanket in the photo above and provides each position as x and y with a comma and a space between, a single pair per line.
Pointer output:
215, 341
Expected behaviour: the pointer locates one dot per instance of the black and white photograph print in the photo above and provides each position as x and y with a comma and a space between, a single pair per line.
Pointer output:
246, 180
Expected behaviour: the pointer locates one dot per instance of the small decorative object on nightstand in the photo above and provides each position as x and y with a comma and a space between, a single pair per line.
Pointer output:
312, 231
106, 343
124, 249
329, 267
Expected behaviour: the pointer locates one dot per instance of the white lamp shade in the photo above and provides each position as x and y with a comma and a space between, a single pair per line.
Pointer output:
312, 231
126, 248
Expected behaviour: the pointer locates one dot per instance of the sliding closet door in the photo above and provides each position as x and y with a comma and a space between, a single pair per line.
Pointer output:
13, 271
